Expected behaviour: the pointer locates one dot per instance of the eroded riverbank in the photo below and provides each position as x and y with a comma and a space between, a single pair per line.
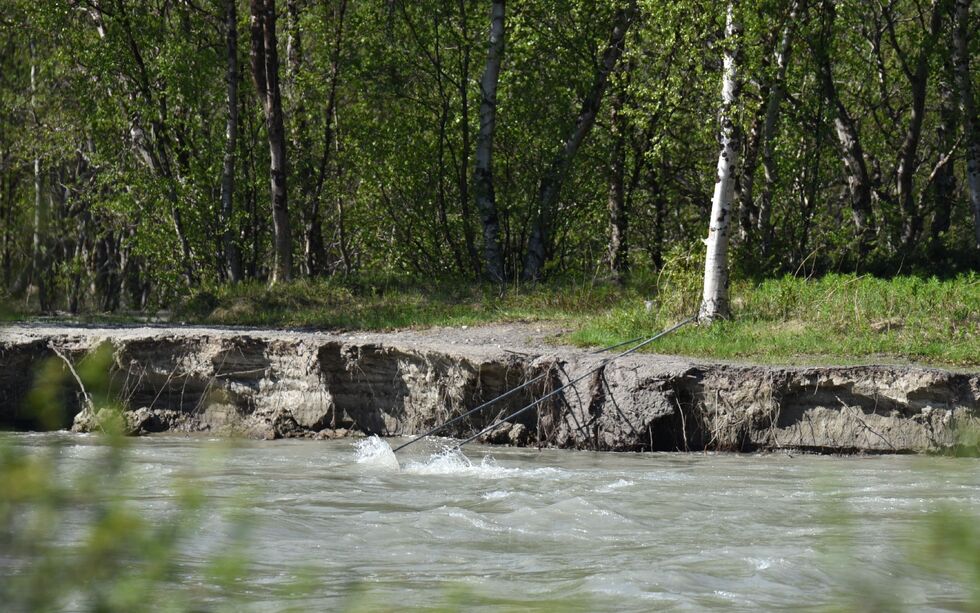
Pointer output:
278, 384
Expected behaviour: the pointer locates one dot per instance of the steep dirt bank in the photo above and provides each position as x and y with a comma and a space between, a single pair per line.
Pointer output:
268, 384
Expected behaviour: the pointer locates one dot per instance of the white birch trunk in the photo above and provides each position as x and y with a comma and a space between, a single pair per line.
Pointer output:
714, 304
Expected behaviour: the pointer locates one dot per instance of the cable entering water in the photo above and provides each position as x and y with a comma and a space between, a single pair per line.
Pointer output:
498, 398
535, 380
574, 381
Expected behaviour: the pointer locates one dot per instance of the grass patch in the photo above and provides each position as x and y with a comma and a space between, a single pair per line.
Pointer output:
833, 319
837, 318
388, 305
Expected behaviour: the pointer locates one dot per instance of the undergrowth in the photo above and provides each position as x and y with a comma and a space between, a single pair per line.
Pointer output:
834, 318
381, 305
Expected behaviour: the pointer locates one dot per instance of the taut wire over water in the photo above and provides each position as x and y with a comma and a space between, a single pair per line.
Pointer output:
506, 394
539, 378
602, 364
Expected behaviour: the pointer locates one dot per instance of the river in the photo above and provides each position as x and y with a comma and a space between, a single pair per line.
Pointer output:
338, 524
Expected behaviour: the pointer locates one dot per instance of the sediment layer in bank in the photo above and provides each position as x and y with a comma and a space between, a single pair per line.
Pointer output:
273, 383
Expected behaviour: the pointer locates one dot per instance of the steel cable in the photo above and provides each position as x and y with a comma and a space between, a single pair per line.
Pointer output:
500, 397
574, 381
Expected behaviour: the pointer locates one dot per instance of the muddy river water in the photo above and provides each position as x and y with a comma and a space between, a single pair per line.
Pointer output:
339, 523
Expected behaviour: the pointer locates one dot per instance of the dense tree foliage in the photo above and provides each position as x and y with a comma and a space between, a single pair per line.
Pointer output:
149, 146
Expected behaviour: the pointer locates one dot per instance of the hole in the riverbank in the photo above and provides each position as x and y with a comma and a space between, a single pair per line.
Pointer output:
26, 418
37, 394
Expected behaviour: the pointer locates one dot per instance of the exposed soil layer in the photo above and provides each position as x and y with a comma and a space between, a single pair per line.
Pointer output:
274, 383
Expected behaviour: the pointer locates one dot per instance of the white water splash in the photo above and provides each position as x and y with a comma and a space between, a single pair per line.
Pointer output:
615, 485
447, 462
452, 462
376, 452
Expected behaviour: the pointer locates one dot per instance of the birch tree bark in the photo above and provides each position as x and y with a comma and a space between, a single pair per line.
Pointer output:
483, 175
961, 51
265, 72
714, 303
233, 257
554, 177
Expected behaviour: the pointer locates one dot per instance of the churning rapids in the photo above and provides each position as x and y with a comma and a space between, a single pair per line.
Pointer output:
521, 527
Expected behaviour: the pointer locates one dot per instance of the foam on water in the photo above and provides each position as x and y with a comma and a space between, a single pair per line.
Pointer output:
375, 451
450, 461
453, 462
617, 485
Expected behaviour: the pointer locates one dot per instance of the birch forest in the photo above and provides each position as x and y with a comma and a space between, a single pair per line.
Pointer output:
152, 146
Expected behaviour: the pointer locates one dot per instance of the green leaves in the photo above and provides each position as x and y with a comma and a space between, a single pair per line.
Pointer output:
128, 123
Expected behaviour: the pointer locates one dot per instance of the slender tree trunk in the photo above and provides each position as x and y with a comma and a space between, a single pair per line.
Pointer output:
618, 215
908, 152
944, 181
265, 71
107, 276
493, 261
233, 255
301, 144
6, 193
554, 177
133, 278
444, 105
776, 95
464, 126
714, 304
254, 224
849, 142
153, 148
314, 248
39, 242
78, 257
442, 200
294, 57
961, 51
39, 239
342, 242
748, 212
659, 220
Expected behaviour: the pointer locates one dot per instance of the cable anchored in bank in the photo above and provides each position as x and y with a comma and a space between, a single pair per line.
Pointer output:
543, 398
492, 401
601, 365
